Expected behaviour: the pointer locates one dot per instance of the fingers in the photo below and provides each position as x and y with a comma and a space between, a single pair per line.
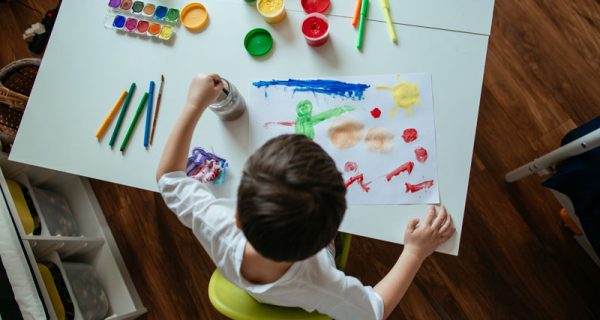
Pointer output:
430, 216
440, 219
447, 226
412, 225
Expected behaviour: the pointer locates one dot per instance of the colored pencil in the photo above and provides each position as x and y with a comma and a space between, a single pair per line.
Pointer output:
388, 20
134, 121
361, 24
160, 90
122, 115
148, 114
356, 13
111, 115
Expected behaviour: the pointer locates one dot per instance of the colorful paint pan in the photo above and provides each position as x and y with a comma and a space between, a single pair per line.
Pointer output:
142, 26
131, 24
172, 15
160, 13
126, 4
114, 3
166, 33
149, 9
118, 22
258, 42
319, 6
137, 7
194, 16
154, 29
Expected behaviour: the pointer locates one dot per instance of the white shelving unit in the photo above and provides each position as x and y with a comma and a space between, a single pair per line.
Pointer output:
96, 246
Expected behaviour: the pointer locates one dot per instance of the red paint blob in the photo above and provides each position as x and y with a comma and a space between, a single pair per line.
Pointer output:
142, 26
421, 154
315, 29
409, 135
350, 166
412, 188
408, 167
376, 113
360, 179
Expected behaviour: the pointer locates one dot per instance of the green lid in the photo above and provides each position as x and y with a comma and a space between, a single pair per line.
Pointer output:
258, 42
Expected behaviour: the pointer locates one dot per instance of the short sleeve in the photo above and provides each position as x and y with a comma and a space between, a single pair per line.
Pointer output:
212, 220
358, 302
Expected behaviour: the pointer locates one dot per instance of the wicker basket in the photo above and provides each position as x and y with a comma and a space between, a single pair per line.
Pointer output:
16, 82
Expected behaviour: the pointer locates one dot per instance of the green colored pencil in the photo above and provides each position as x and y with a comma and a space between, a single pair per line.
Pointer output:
122, 115
134, 121
361, 24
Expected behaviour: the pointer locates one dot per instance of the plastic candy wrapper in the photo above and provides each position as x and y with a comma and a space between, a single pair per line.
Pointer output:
206, 167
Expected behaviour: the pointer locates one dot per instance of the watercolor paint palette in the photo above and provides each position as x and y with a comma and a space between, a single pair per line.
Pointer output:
149, 11
139, 26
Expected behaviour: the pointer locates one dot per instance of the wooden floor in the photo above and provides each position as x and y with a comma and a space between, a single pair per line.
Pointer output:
516, 261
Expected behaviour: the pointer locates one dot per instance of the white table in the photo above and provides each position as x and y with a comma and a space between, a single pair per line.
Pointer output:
86, 67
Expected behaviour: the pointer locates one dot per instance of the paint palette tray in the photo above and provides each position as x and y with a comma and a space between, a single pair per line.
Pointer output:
142, 27
149, 11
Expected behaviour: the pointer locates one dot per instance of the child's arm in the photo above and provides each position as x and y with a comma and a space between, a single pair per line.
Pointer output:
420, 240
204, 89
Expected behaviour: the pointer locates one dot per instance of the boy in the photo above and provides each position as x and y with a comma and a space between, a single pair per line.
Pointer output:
291, 201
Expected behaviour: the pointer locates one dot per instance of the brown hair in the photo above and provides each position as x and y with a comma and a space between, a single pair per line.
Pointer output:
291, 198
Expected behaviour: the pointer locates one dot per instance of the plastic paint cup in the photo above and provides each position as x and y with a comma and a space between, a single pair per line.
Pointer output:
160, 12
149, 9
194, 16
166, 32
126, 4
272, 11
131, 24
319, 6
172, 15
154, 29
142, 26
114, 3
315, 29
138, 6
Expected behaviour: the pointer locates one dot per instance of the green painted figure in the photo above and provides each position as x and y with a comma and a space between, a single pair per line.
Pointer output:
306, 122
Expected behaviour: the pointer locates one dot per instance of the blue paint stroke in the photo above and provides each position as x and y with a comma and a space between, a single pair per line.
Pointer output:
352, 91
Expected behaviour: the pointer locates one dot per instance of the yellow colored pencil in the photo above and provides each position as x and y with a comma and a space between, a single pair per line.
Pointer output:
111, 115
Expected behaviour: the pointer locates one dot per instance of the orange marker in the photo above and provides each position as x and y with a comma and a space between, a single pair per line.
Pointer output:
111, 115
356, 13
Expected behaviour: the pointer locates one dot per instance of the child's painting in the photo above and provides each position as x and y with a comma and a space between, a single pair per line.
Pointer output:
379, 130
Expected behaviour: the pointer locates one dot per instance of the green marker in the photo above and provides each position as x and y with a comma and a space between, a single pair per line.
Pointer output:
361, 24
134, 121
122, 115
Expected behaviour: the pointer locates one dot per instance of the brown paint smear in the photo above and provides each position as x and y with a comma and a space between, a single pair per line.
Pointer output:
346, 133
379, 140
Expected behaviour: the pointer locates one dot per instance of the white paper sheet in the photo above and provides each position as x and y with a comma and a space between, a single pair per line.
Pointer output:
353, 135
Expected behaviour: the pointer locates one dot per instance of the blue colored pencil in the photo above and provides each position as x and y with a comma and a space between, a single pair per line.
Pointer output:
148, 114
122, 115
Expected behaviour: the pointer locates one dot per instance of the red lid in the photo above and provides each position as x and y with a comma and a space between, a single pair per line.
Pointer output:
319, 6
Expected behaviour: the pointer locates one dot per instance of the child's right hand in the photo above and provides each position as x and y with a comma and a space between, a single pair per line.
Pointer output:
422, 239
204, 90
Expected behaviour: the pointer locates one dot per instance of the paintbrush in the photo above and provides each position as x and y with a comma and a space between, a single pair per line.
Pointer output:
160, 90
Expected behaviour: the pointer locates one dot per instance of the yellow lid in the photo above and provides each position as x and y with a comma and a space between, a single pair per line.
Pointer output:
21, 204
194, 16
57, 304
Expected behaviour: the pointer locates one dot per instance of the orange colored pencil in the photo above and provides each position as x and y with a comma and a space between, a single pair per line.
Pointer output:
356, 13
111, 115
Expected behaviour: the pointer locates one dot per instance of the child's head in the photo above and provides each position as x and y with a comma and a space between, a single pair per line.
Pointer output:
291, 198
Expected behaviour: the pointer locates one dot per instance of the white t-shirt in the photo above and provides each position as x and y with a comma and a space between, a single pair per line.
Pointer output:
311, 284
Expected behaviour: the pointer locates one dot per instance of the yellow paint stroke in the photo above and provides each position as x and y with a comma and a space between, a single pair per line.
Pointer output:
405, 94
